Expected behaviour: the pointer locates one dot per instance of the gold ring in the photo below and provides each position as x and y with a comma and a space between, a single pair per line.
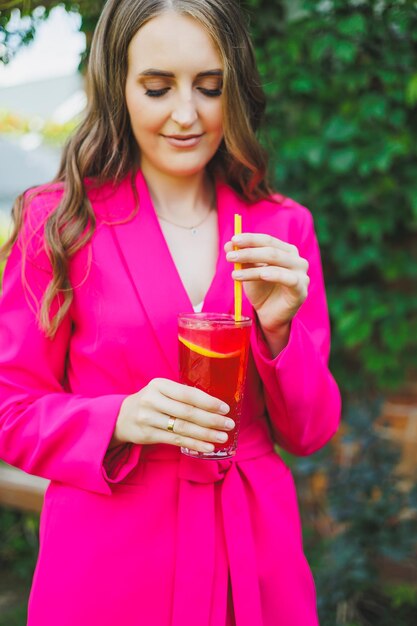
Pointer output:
171, 422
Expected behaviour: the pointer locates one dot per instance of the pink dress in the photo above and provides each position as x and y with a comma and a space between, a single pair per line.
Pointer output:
143, 535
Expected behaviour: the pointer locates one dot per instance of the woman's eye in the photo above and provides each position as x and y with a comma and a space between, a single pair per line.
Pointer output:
211, 93
156, 93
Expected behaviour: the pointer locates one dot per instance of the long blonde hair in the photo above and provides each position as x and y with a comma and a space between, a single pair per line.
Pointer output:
103, 147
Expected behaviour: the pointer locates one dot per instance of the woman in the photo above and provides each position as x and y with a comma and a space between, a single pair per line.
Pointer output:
136, 228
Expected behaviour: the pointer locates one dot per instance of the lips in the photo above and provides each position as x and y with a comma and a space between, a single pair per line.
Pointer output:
182, 137
183, 141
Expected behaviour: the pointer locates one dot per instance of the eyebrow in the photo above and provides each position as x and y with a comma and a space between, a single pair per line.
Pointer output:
153, 72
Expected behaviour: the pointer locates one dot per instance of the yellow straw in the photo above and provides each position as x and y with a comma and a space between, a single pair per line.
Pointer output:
238, 266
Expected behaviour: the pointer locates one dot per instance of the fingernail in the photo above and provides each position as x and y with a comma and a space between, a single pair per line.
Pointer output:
208, 447
224, 408
229, 423
237, 238
232, 256
221, 437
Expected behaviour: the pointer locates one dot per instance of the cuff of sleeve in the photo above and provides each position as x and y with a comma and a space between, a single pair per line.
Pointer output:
264, 361
302, 396
292, 357
120, 461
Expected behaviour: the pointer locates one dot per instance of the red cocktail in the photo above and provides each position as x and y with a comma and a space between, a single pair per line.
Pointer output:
213, 356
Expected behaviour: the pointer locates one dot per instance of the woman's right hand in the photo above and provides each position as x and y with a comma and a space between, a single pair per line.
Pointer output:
200, 418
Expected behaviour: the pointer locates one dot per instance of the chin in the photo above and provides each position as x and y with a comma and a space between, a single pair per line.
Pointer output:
186, 169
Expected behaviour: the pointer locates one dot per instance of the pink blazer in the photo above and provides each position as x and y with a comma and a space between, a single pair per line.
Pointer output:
60, 398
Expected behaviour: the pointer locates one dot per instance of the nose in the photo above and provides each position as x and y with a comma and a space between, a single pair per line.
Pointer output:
185, 113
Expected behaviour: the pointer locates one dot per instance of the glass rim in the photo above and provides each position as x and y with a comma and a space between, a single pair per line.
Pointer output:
222, 319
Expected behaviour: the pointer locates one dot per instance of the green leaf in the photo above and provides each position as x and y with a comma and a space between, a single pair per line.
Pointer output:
395, 336
411, 91
373, 106
341, 161
352, 25
355, 327
339, 129
346, 51
353, 197
315, 154
321, 45
412, 198
302, 84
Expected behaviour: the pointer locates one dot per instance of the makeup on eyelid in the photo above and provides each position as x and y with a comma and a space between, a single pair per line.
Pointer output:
158, 93
157, 87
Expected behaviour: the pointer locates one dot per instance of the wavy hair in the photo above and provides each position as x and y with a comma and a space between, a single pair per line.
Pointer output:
103, 147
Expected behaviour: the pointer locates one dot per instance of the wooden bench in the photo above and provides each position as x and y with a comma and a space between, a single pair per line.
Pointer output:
20, 490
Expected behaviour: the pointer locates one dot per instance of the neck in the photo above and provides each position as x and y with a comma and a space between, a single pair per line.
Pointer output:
179, 198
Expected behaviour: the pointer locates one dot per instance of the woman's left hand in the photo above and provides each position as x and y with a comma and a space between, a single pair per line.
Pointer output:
274, 277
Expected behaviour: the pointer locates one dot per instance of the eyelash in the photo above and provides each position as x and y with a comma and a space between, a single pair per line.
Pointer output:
158, 93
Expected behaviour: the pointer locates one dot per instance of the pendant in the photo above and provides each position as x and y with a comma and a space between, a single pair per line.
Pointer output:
194, 231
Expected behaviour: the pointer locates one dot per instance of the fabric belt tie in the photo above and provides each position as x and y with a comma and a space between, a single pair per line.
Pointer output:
196, 511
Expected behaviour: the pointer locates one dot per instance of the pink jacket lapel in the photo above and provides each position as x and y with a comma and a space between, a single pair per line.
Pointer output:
146, 258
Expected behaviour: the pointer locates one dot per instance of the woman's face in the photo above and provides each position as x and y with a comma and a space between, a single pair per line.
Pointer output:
174, 95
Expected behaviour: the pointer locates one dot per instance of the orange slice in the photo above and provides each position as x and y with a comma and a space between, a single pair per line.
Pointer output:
206, 352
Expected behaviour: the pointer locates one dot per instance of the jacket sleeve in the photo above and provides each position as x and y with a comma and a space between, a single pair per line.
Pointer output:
302, 397
44, 430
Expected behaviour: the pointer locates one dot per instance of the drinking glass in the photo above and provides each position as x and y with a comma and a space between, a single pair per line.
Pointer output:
213, 356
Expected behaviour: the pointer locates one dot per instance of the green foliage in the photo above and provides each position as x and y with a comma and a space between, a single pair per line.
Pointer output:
14, 38
373, 518
402, 595
19, 542
341, 127
34, 12
14, 617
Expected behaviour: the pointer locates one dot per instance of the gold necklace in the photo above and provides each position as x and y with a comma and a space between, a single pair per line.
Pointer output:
193, 229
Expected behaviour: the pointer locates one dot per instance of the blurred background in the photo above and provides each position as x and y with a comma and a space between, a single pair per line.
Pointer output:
341, 130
